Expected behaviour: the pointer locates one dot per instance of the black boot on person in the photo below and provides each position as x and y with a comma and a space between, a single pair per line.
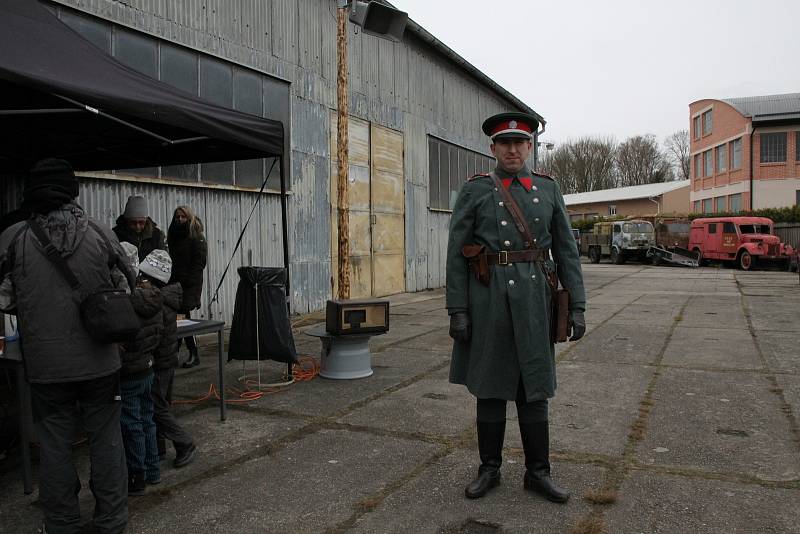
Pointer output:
193, 360
536, 443
184, 454
490, 447
136, 483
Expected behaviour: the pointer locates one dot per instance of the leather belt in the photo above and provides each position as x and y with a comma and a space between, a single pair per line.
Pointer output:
505, 257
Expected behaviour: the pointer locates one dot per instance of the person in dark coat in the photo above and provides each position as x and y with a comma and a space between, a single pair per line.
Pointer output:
137, 228
502, 349
74, 379
188, 249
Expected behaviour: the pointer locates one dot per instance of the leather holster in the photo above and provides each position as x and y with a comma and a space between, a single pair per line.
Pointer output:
478, 264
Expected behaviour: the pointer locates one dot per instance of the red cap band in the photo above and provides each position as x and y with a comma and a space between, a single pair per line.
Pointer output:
511, 125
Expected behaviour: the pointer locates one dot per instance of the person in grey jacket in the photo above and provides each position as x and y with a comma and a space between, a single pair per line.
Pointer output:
74, 379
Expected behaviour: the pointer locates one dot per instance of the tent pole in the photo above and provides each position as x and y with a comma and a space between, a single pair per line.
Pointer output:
285, 233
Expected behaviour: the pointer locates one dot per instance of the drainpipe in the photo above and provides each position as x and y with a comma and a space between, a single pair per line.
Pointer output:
658, 206
752, 194
536, 137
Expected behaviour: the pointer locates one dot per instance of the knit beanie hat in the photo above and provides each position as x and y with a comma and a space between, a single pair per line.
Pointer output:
131, 257
157, 265
135, 208
50, 183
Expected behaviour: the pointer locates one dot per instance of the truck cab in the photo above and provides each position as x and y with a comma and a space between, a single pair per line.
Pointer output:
743, 241
620, 240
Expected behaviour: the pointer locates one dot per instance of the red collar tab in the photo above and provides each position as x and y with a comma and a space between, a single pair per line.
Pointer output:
511, 126
525, 181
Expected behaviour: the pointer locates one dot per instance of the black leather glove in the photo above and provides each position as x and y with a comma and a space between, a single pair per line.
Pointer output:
577, 323
459, 326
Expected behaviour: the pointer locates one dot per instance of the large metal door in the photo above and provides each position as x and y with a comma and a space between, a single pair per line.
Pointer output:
358, 194
388, 211
376, 194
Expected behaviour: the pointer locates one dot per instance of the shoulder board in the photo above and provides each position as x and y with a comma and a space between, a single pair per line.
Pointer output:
476, 176
542, 175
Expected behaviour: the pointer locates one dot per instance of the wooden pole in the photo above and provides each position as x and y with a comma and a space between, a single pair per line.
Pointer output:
343, 219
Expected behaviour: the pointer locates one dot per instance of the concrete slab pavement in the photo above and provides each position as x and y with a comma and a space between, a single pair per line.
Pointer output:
678, 412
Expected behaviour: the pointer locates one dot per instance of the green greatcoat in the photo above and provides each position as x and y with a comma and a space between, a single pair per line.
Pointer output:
510, 318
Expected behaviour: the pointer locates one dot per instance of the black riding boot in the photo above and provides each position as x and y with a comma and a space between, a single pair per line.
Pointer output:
536, 443
490, 447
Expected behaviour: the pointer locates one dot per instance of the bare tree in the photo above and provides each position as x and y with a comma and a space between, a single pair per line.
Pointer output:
585, 164
640, 161
677, 146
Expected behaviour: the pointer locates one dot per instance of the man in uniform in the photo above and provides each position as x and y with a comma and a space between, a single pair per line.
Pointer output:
502, 349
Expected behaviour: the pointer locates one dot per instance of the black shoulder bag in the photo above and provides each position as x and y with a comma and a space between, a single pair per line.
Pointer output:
107, 314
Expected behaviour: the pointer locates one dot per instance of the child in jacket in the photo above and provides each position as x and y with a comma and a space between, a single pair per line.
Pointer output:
136, 381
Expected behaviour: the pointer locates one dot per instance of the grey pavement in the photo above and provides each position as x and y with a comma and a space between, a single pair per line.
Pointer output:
678, 412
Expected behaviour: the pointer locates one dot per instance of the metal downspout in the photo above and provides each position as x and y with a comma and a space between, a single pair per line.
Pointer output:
536, 146
658, 206
752, 193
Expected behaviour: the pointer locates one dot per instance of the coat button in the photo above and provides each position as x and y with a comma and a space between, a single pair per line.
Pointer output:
495, 189
535, 200
534, 188
533, 276
536, 219
511, 282
500, 203
534, 240
507, 243
503, 223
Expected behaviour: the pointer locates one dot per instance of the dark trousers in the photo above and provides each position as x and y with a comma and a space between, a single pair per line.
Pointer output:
59, 410
494, 410
191, 344
166, 424
139, 428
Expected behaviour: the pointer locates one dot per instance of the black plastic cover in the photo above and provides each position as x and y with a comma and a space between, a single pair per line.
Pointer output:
276, 341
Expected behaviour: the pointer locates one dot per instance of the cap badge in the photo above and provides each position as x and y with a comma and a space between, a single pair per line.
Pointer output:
512, 124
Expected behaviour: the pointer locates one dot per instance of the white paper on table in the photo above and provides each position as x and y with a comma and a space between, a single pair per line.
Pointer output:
186, 322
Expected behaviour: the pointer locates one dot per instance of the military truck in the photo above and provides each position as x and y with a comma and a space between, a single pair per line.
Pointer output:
742, 241
620, 241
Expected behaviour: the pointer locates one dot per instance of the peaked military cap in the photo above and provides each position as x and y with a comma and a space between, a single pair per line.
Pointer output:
510, 125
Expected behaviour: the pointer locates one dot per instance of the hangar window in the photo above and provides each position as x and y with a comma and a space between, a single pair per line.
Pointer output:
449, 167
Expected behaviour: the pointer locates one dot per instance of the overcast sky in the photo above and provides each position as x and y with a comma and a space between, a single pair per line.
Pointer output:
621, 67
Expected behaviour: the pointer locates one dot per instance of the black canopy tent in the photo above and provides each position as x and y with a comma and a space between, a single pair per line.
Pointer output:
60, 96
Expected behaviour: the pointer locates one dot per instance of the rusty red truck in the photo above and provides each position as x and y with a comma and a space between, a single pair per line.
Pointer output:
742, 241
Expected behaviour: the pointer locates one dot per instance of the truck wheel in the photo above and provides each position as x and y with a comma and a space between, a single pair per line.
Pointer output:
745, 261
700, 261
616, 257
594, 255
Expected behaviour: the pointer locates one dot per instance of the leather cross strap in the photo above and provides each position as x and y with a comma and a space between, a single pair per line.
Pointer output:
519, 220
512, 207
516, 256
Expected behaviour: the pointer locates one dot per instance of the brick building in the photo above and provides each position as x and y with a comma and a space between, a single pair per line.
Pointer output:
632, 201
745, 153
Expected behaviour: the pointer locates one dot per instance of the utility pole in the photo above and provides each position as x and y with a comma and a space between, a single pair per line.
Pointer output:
343, 203
382, 21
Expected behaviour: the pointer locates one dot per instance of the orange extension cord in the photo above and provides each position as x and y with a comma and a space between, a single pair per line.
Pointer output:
304, 370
